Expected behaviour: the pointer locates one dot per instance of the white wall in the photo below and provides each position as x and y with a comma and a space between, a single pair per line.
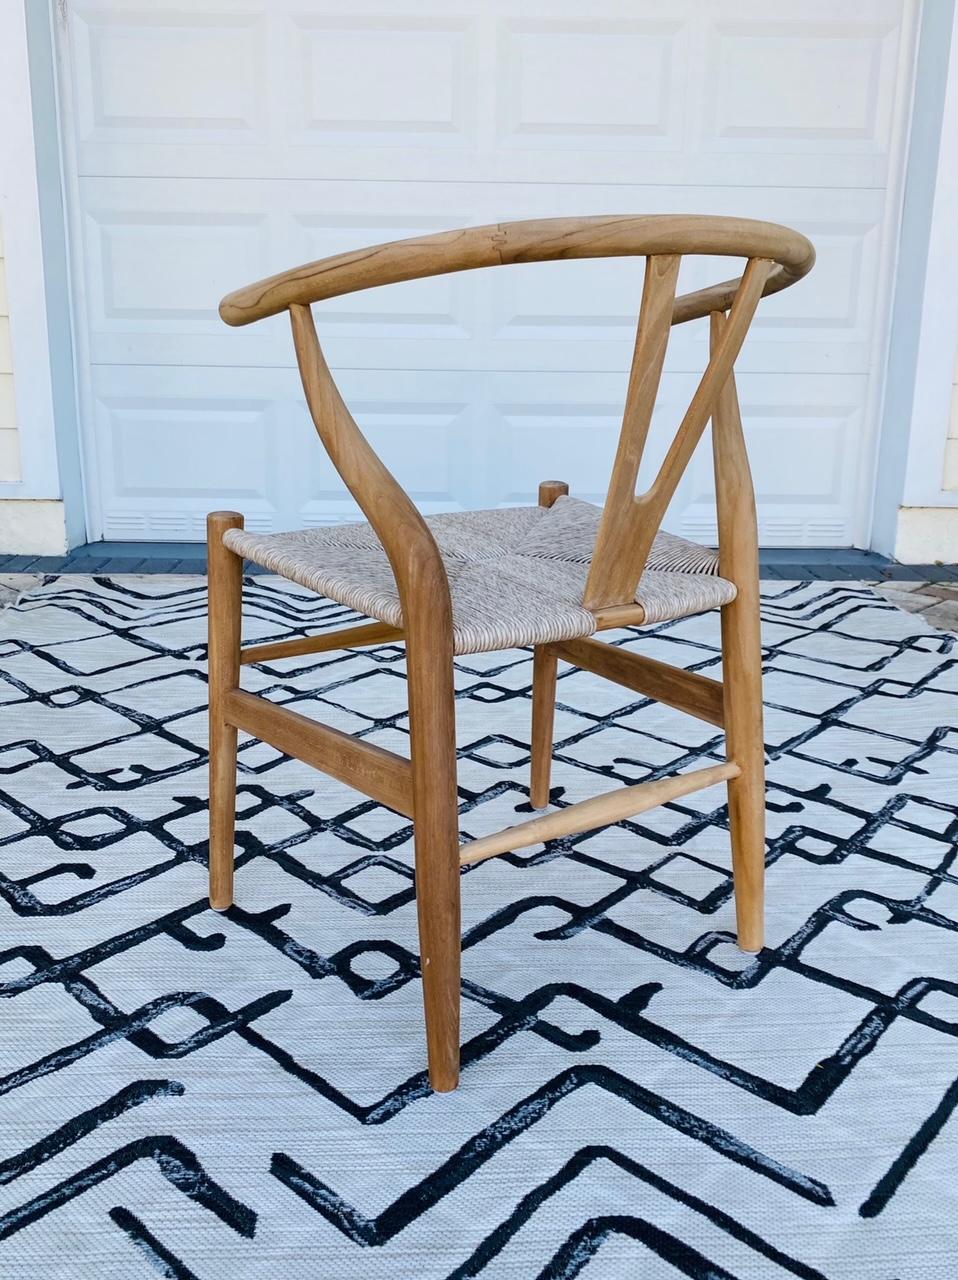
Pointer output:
916, 517
303, 135
951, 444
9, 445
31, 507
917, 504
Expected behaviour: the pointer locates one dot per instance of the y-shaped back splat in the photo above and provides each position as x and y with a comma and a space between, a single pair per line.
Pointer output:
629, 523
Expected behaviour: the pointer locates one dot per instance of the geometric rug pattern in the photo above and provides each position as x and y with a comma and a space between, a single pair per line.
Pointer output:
188, 1094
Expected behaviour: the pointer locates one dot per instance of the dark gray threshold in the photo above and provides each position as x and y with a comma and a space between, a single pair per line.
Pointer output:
823, 563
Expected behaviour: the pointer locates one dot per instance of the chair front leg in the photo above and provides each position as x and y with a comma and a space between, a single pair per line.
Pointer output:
225, 577
432, 726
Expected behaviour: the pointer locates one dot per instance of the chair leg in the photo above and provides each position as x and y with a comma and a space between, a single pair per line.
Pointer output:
432, 726
544, 665
742, 679
225, 576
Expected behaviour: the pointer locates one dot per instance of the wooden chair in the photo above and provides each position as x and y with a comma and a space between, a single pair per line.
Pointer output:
549, 576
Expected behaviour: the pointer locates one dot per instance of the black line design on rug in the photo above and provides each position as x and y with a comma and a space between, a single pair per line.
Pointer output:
633, 1087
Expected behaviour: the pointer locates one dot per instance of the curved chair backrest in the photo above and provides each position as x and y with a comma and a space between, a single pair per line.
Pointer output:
537, 240
776, 258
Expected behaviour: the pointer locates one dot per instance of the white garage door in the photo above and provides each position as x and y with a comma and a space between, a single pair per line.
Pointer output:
220, 141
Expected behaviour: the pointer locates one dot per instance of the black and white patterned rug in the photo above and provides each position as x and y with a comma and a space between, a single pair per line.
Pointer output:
188, 1094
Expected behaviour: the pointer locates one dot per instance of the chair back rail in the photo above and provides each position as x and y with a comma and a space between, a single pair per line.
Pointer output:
537, 240
776, 257
629, 523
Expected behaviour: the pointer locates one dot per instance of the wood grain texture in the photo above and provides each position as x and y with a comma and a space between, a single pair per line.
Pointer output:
404, 534
629, 524
544, 667
611, 616
536, 240
687, 691
617, 561
651, 507
741, 657
550, 491
375, 772
432, 729
426, 604
369, 633
599, 811
225, 578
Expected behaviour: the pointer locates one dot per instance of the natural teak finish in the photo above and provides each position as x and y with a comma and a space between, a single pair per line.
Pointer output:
545, 669
225, 576
424, 786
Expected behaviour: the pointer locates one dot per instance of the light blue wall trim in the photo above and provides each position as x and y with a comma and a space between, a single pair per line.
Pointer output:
921, 170
46, 131
931, 74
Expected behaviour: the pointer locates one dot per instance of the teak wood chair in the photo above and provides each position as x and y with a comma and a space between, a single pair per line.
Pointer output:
549, 577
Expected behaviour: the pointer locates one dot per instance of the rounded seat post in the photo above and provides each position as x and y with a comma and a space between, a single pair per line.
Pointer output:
544, 671
225, 578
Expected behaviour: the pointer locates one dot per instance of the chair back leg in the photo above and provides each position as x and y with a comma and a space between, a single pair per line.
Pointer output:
225, 576
544, 670
741, 659
544, 666
742, 680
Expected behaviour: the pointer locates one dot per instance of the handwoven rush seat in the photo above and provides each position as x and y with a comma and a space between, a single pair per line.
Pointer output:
517, 574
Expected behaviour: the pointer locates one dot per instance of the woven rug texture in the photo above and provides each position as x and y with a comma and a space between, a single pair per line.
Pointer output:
190, 1094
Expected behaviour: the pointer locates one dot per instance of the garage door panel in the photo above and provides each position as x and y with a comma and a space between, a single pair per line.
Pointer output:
166, 269
799, 444
376, 80
843, 66
566, 85
486, 90
145, 77
425, 430
218, 143
161, 254
575, 440
176, 442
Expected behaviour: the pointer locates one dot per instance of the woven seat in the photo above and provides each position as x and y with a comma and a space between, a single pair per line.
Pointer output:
517, 575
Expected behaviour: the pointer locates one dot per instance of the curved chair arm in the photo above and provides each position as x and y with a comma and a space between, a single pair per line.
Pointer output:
538, 240
409, 545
